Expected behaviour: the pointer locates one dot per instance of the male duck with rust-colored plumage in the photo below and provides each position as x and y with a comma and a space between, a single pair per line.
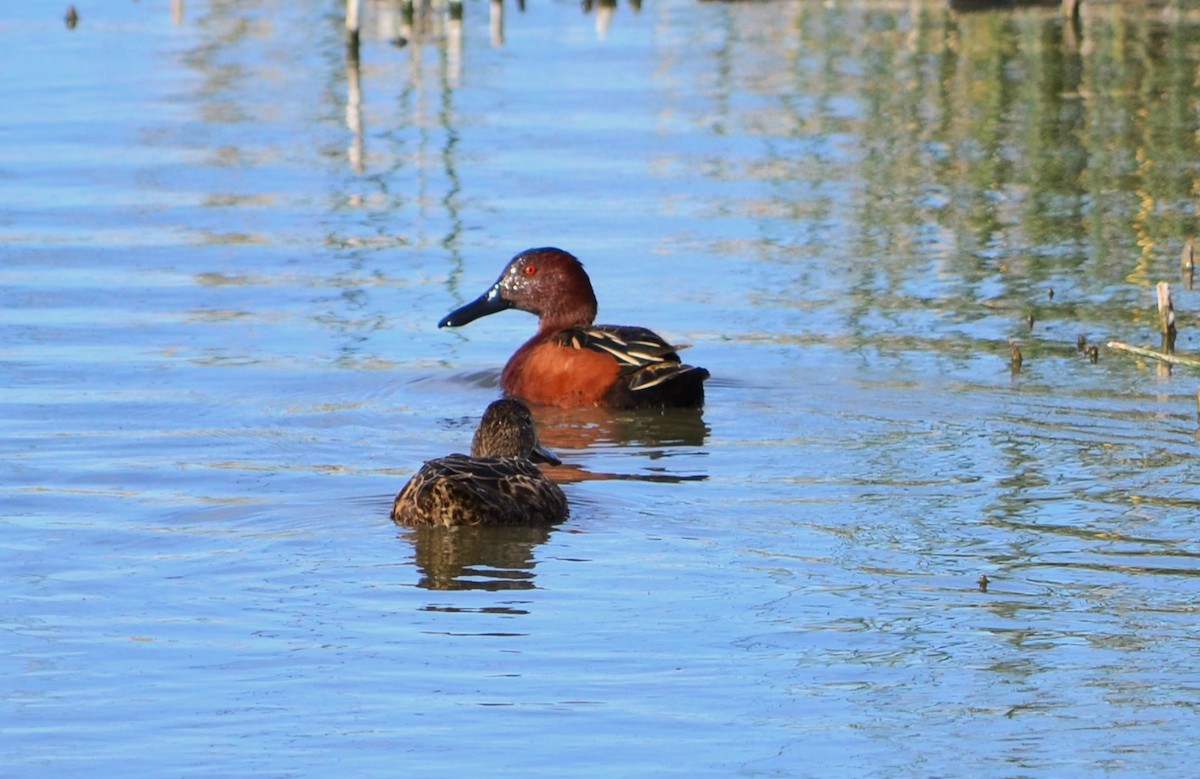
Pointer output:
498, 484
570, 361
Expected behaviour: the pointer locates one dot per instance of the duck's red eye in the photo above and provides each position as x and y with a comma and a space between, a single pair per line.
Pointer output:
529, 270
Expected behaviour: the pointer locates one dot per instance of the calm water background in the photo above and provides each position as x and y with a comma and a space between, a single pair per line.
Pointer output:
223, 253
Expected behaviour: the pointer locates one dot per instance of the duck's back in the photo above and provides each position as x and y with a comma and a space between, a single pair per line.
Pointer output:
462, 490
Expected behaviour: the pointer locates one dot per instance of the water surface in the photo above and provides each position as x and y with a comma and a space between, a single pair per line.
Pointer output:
224, 251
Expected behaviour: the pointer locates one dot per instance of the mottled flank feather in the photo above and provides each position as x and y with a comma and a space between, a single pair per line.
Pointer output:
497, 484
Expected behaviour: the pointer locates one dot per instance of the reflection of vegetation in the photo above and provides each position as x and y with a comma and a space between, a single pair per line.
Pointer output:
988, 157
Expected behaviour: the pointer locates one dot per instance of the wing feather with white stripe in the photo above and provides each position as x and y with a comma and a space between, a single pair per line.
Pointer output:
643, 355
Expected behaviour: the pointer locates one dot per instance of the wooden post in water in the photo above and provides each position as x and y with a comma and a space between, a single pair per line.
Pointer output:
407, 20
354, 109
1166, 317
1071, 9
1187, 262
454, 42
352, 21
496, 22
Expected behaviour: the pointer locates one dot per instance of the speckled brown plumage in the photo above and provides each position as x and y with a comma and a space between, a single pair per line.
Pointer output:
497, 484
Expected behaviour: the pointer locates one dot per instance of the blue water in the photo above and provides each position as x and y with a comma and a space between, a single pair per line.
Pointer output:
223, 255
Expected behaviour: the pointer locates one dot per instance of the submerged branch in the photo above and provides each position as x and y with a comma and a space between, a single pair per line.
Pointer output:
1153, 354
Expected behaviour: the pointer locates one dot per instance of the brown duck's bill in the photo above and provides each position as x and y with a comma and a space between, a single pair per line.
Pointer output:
489, 302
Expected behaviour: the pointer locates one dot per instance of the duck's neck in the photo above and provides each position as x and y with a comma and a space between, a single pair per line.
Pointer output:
552, 320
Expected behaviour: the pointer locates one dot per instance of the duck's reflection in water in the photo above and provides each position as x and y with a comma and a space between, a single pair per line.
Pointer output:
476, 558
657, 434
587, 427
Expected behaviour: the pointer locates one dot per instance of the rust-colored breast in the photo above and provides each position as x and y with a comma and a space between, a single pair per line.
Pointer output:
551, 374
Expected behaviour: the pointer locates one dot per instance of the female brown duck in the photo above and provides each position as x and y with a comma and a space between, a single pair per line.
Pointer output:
498, 484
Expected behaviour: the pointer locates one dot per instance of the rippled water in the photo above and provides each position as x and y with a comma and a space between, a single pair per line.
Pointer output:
224, 251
